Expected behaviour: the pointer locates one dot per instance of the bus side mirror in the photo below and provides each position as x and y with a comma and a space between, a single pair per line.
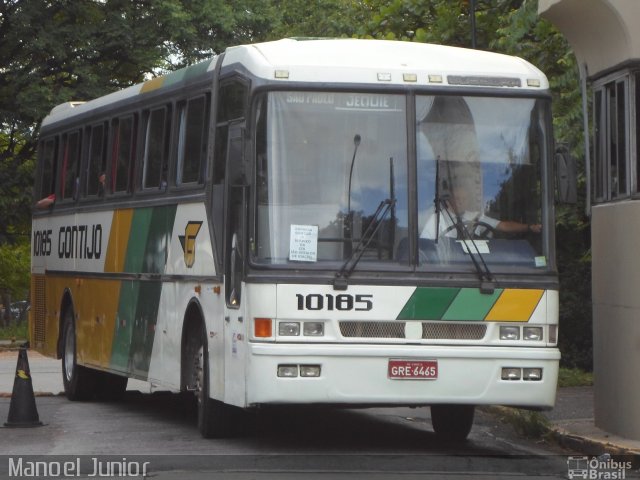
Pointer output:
566, 176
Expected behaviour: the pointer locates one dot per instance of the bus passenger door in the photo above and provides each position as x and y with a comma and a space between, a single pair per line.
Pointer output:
234, 251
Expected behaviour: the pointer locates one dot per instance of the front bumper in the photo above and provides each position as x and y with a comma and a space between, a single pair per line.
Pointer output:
357, 375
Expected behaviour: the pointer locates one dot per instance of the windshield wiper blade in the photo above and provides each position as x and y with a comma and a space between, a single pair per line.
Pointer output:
487, 282
340, 280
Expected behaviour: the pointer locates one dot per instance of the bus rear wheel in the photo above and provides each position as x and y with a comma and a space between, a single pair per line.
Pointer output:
452, 422
215, 418
79, 382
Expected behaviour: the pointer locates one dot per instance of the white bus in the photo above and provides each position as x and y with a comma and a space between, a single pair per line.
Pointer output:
335, 222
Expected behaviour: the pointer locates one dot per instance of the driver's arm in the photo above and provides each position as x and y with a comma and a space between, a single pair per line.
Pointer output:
507, 226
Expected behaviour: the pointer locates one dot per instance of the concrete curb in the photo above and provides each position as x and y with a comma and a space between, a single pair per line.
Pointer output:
580, 443
590, 446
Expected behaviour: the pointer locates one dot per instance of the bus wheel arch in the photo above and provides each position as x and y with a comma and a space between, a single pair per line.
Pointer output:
192, 326
66, 303
215, 418
79, 382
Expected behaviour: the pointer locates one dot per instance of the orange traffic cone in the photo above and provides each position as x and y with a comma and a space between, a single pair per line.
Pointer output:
22, 410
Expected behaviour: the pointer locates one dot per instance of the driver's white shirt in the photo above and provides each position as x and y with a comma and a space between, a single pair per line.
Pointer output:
446, 223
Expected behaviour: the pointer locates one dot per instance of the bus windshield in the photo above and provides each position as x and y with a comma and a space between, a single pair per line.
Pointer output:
479, 180
327, 162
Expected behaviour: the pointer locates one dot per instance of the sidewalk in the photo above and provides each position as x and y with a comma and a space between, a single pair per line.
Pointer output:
571, 420
572, 424
46, 373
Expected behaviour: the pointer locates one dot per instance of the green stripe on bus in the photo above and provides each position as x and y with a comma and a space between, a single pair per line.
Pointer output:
187, 73
158, 239
137, 240
144, 329
428, 303
470, 305
125, 321
147, 250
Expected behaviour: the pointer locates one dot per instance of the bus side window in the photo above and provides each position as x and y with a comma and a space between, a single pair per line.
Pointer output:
70, 180
232, 105
192, 140
122, 152
49, 166
97, 166
156, 143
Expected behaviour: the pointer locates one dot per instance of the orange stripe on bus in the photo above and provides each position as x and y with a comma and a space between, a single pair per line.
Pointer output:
118, 239
515, 305
152, 84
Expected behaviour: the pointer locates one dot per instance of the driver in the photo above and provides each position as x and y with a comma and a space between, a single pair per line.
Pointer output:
457, 208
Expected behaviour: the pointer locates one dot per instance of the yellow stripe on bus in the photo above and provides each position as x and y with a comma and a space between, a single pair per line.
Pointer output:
152, 84
515, 305
96, 304
118, 239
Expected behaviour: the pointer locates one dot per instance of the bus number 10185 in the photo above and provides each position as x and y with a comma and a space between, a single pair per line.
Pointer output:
328, 301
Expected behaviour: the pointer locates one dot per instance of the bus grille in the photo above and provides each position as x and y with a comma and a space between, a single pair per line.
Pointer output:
38, 308
430, 330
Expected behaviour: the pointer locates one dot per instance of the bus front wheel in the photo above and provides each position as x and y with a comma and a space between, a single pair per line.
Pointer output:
79, 382
215, 418
452, 422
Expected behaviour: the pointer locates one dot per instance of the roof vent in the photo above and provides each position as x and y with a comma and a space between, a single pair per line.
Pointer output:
484, 81
63, 107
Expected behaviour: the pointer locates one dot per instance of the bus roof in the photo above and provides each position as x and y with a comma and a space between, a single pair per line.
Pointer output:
345, 61
383, 61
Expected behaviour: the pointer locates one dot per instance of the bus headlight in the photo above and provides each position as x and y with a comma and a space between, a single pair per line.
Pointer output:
310, 370
532, 333
532, 374
287, 371
313, 329
511, 373
289, 329
509, 333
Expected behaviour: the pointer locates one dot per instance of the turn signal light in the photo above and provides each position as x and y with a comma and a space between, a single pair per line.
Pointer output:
263, 327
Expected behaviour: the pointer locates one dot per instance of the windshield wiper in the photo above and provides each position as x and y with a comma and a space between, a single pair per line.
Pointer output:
340, 281
487, 282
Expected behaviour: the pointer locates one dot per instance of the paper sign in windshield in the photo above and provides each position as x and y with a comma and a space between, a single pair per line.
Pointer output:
474, 246
303, 243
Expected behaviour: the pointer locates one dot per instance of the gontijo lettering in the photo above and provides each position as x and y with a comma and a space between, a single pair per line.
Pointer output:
80, 241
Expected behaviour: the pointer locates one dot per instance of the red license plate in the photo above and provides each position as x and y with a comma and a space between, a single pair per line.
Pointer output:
413, 369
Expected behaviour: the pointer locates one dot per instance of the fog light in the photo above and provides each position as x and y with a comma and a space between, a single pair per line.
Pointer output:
509, 333
532, 333
288, 371
309, 370
313, 329
289, 329
553, 334
510, 373
533, 374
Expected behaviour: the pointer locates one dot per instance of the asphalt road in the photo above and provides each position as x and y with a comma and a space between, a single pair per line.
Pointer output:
282, 443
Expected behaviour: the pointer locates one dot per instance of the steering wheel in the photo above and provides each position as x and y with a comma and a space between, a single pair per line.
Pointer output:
487, 231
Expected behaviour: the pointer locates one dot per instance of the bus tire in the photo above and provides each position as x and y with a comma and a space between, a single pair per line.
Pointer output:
452, 422
215, 418
111, 387
79, 382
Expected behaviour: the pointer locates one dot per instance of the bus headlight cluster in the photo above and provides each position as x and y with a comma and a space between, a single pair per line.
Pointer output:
517, 373
528, 334
293, 371
309, 329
